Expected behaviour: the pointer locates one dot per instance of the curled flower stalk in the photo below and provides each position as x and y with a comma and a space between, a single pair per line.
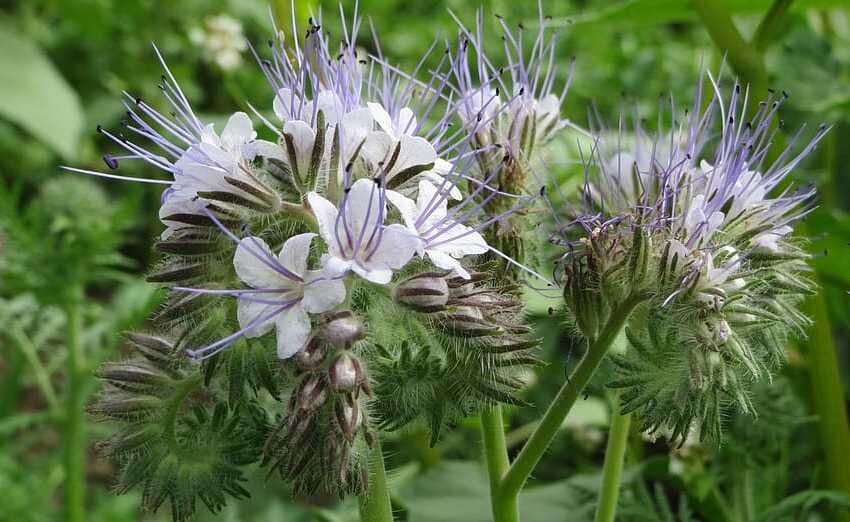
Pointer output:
322, 287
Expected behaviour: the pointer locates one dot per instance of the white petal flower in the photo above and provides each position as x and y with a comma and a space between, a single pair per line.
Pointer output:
356, 236
285, 291
442, 239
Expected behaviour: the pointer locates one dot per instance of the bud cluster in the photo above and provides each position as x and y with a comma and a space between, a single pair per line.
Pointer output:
319, 443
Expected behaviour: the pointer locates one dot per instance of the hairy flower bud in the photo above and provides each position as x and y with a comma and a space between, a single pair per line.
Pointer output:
312, 356
346, 372
348, 416
131, 377
425, 292
469, 321
311, 395
342, 329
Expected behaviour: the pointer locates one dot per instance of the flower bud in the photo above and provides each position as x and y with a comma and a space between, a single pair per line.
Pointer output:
342, 329
348, 416
131, 377
311, 395
312, 356
427, 292
345, 372
715, 330
469, 321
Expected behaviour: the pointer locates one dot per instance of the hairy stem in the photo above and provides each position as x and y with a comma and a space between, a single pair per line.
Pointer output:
74, 436
612, 470
496, 453
375, 505
551, 422
169, 418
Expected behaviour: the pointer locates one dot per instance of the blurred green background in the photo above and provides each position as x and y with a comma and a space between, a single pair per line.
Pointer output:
73, 251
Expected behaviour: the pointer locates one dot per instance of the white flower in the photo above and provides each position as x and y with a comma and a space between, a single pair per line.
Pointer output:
441, 238
403, 124
356, 236
290, 106
286, 291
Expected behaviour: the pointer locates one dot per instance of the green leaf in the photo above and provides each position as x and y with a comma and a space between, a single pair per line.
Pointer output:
633, 13
35, 96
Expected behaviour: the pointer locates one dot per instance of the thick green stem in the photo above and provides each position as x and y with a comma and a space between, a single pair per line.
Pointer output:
744, 58
770, 23
551, 422
375, 505
74, 436
827, 398
612, 470
496, 453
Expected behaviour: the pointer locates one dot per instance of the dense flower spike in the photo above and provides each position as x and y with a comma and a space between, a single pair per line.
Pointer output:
698, 227
311, 263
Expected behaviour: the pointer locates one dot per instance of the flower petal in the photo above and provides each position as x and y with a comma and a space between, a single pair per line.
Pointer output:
248, 310
293, 331
265, 149
397, 246
363, 212
322, 293
284, 103
382, 117
325, 213
447, 262
254, 263
238, 130
331, 106
293, 256
303, 137
406, 207
379, 276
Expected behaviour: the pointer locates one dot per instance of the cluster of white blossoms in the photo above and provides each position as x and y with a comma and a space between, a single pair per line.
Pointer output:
364, 156
221, 40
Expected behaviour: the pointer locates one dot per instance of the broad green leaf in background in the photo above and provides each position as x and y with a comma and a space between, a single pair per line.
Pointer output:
35, 96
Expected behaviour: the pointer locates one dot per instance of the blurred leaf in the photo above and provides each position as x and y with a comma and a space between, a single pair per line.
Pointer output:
799, 505
458, 490
633, 13
34, 95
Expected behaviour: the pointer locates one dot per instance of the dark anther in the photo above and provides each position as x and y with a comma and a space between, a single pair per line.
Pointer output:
100, 129
521, 91
550, 311
521, 27
731, 119
111, 162
586, 395
737, 88
138, 101
497, 91
785, 95
377, 181
771, 91
543, 190
347, 190
270, 42
364, 62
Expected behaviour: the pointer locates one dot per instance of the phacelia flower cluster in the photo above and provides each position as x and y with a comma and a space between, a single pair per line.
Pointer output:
694, 228
342, 265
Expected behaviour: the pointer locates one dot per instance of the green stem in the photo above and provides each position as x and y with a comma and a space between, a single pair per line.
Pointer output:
612, 470
74, 436
169, 418
744, 58
375, 505
827, 397
42, 376
496, 453
769, 25
551, 422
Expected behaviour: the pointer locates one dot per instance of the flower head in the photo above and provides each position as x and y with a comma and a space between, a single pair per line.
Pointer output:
698, 227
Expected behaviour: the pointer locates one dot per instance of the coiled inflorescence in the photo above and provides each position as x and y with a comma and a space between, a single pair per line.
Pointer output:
687, 223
